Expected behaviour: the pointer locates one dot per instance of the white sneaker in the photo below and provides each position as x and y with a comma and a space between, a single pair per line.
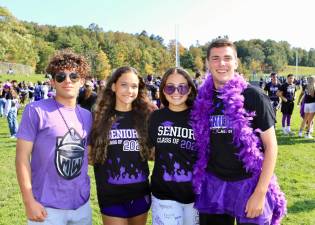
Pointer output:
285, 132
300, 134
290, 133
308, 136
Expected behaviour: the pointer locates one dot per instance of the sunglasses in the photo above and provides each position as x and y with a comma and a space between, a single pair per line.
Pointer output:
171, 88
60, 77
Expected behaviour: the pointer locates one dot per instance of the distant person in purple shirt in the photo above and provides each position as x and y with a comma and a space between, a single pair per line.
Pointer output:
51, 150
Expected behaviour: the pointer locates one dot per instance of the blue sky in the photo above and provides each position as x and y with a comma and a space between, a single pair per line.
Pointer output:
201, 20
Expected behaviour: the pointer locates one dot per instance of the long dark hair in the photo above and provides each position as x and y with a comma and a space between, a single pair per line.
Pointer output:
193, 92
105, 116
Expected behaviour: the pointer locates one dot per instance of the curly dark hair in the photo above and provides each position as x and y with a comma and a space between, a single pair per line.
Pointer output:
105, 116
66, 59
175, 70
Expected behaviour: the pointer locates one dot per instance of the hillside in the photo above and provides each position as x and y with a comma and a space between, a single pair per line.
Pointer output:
32, 44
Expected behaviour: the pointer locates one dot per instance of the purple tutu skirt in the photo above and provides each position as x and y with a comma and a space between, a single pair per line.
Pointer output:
230, 197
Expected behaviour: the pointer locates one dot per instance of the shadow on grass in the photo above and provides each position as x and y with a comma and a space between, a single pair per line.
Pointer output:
7, 143
293, 139
302, 206
4, 134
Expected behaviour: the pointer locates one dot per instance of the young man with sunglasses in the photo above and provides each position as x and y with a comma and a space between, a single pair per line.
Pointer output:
51, 150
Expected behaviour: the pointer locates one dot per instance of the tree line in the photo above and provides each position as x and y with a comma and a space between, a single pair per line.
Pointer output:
32, 44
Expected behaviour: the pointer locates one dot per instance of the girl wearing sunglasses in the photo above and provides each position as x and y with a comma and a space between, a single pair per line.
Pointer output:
172, 137
119, 149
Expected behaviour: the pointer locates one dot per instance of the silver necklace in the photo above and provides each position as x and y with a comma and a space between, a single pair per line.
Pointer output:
71, 131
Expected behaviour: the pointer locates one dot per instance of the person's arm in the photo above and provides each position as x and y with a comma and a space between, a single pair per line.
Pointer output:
255, 204
280, 95
300, 97
34, 210
266, 89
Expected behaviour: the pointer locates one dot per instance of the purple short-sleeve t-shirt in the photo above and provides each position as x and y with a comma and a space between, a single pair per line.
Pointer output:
59, 162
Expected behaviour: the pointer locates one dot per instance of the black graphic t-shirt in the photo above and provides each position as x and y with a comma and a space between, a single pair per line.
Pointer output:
172, 136
124, 175
223, 161
272, 91
308, 97
288, 91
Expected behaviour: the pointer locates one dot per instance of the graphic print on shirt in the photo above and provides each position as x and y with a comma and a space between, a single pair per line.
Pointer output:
290, 92
273, 89
121, 136
183, 138
220, 124
122, 171
69, 154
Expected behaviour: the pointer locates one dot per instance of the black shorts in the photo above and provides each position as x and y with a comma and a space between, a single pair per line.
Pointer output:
128, 209
287, 108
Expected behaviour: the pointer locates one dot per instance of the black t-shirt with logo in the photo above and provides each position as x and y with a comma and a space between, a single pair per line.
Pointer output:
308, 97
175, 153
272, 91
288, 91
124, 175
223, 161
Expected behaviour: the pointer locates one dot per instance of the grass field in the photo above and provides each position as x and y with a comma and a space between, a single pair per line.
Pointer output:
301, 70
295, 170
20, 77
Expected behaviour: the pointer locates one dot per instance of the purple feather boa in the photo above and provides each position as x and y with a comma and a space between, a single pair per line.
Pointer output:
244, 138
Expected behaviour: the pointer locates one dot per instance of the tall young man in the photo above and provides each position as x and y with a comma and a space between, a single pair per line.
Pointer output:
51, 150
237, 147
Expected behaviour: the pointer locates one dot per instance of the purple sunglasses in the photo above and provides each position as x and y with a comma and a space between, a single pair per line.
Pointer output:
171, 88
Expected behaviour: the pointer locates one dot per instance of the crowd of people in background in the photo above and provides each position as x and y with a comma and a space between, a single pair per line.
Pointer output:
281, 91
282, 94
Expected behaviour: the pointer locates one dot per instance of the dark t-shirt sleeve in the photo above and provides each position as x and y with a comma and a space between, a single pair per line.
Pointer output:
282, 87
266, 88
258, 102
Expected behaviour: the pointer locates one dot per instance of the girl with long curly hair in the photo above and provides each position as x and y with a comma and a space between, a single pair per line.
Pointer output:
119, 149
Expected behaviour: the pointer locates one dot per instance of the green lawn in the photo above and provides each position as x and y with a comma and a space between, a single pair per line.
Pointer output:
19, 77
295, 171
301, 70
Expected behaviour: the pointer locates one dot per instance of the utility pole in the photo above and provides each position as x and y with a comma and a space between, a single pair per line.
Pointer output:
296, 62
177, 60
